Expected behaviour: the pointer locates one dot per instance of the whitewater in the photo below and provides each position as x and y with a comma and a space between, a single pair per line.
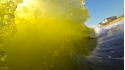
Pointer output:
109, 51
104, 29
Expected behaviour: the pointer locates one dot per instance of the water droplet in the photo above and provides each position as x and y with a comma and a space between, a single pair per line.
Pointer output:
3, 58
2, 53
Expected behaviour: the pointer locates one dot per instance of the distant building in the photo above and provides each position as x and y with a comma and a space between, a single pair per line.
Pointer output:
109, 20
100, 24
105, 21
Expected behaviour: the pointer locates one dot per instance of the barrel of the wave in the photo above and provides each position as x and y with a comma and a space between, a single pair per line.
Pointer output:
49, 32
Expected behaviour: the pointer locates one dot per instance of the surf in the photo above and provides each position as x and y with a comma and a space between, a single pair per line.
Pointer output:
44, 34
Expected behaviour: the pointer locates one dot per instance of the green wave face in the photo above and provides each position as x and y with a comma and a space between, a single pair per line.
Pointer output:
43, 34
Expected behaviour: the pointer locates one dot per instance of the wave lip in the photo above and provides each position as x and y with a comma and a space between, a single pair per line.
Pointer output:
102, 30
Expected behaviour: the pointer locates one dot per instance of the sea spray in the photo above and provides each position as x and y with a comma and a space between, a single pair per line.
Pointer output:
46, 34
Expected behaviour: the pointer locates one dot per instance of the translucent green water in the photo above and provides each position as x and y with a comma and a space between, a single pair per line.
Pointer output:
43, 34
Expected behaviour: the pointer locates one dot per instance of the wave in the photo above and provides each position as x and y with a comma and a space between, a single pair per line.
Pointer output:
44, 34
102, 30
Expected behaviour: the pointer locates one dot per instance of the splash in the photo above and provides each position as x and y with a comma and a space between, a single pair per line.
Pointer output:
46, 33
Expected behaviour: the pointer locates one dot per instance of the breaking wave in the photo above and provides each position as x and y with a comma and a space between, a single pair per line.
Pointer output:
44, 34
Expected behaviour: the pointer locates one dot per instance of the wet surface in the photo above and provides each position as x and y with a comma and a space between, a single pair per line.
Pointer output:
108, 54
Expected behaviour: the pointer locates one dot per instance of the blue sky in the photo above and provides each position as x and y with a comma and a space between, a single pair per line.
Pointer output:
101, 9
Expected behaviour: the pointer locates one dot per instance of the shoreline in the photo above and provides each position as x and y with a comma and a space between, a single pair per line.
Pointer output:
116, 20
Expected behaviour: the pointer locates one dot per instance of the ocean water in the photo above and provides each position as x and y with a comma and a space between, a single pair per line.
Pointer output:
43, 34
109, 51
51, 35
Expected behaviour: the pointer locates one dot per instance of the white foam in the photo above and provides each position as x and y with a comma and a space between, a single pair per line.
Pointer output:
114, 25
101, 30
109, 57
120, 58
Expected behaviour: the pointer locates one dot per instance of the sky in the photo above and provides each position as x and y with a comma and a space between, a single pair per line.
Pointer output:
101, 9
